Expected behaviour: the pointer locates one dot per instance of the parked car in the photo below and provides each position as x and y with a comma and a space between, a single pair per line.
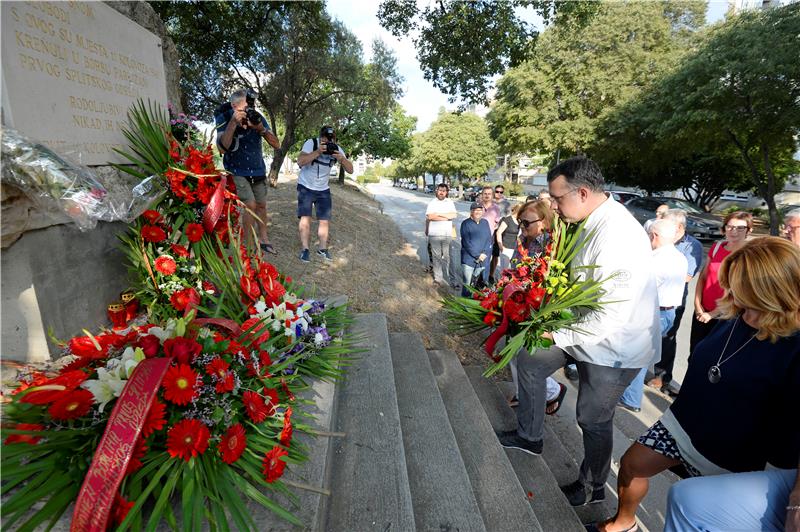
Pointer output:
623, 196
412, 186
428, 189
699, 224
471, 193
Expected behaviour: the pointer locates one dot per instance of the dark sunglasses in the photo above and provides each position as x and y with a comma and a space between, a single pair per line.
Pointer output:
526, 223
499, 191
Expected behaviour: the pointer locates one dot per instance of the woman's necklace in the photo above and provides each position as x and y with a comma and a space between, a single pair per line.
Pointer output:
714, 373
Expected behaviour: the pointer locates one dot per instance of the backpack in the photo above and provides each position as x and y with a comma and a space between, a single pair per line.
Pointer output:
320, 162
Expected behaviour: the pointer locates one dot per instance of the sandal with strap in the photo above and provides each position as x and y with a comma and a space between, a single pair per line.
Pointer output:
555, 405
267, 248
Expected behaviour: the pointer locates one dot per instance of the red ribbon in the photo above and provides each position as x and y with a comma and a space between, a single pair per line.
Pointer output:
110, 461
491, 342
231, 325
214, 208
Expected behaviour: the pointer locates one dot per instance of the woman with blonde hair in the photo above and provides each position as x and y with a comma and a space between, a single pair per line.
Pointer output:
737, 409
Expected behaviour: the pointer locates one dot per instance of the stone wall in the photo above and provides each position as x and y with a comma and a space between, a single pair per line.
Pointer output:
53, 276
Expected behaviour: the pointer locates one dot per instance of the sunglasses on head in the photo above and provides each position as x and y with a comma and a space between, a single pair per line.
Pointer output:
526, 223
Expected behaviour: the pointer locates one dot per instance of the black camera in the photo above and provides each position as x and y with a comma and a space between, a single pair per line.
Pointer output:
252, 116
331, 148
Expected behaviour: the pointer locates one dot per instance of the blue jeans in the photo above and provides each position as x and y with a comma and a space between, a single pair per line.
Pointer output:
469, 270
635, 391
739, 501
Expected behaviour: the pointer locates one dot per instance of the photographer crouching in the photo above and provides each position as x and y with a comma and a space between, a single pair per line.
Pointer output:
313, 191
240, 129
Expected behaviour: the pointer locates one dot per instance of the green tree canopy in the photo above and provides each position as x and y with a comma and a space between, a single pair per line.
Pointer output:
738, 93
456, 145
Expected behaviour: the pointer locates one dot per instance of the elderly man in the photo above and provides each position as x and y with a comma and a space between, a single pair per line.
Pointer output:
661, 211
791, 226
669, 267
612, 344
692, 249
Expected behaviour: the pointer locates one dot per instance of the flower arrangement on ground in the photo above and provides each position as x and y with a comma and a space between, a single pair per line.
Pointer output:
192, 403
537, 294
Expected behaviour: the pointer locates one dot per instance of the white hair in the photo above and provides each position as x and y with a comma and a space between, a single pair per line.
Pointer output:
666, 229
238, 96
794, 213
676, 215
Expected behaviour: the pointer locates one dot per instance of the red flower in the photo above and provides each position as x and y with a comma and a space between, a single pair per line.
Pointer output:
152, 217
120, 509
209, 287
155, 418
71, 405
490, 319
272, 400
83, 346
286, 433
194, 232
150, 344
187, 438
535, 297
286, 390
516, 311
250, 288
179, 250
66, 382
219, 369
233, 443
273, 466
183, 299
166, 265
490, 301
182, 349
179, 384
25, 438
256, 331
139, 452
255, 406
267, 271
153, 233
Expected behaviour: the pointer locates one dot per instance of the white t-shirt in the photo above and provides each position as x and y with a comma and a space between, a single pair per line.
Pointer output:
670, 267
626, 332
440, 227
313, 175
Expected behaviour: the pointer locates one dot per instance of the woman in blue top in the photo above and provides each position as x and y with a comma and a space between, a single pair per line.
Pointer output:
476, 246
737, 410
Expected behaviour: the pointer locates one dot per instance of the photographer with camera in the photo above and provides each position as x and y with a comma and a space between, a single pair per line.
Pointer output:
240, 129
316, 159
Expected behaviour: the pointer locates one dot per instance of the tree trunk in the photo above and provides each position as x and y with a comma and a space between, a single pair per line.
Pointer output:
341, 174
278, 156
774, 222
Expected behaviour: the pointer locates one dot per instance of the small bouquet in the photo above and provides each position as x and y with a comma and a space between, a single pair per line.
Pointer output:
538, 294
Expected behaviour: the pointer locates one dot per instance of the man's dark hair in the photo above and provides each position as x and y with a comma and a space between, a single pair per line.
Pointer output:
501, 187
579, 172
444, 186
327, 131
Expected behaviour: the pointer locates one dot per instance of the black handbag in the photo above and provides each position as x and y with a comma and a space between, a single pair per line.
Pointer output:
477, 281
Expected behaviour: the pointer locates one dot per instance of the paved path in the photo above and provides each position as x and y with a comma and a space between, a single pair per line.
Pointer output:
407, 209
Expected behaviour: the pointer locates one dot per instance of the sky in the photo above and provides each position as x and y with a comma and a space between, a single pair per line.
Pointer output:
421, 98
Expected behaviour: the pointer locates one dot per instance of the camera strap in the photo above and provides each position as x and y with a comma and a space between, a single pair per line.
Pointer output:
330, 162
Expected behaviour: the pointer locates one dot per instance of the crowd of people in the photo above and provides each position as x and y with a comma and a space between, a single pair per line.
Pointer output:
732, 432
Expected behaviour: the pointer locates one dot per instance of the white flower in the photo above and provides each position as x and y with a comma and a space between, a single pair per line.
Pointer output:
319, 339
164, 334
107, 386
260, 306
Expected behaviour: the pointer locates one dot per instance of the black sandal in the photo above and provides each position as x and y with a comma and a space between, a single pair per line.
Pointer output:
267, 248
558, 401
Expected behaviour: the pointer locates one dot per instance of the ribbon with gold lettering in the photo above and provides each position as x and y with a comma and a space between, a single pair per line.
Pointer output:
214, 208
110, 461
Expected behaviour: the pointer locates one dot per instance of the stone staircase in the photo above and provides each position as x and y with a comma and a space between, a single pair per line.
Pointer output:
412, 447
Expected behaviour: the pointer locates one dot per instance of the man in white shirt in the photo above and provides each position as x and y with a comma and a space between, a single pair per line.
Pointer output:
669, 267
661, 211
439, 218
313, 192
610, 345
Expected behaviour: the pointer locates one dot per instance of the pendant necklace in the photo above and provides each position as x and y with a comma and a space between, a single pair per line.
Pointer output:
714, 373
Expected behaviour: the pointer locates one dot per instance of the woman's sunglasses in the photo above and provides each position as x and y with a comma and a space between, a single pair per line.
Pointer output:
526, 223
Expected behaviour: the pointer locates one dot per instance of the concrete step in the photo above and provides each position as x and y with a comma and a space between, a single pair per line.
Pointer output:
440, 487
548, 502
369, 479
502, 499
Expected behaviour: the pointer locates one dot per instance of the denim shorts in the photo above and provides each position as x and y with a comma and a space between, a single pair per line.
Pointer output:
319, 199
251, 189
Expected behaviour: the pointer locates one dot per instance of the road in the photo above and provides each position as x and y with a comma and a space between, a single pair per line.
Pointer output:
407, 209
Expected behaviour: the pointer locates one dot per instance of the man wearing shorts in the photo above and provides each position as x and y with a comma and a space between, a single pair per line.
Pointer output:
313, 191
239, 141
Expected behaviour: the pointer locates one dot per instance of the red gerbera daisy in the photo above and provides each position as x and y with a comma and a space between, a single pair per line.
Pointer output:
152, 217
179, 250
233, 443
255, 406
286, 433
219, 369
184, 298
194, 232
273, 466
166, 265
179, 384
155, 418
139, 452
272, 400
71, 405
153, 233
120, 510
25, 438
187, 438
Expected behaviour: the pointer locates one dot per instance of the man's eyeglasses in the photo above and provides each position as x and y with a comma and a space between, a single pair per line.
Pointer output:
791, 228
526, 223
557, 199
736, 228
